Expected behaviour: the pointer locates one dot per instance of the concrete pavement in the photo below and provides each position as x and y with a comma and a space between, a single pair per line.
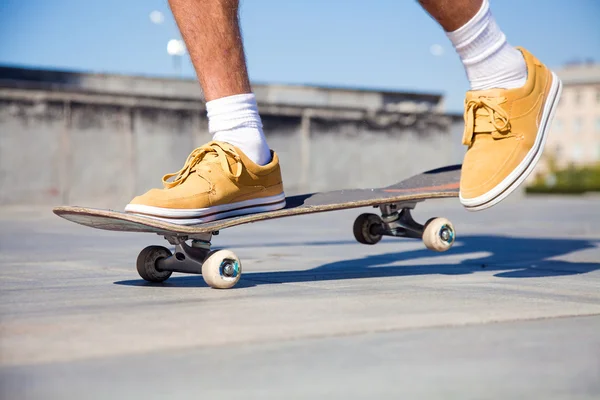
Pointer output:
512, 310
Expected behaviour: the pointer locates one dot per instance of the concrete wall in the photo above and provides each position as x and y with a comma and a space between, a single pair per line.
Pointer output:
186, 90
60, 146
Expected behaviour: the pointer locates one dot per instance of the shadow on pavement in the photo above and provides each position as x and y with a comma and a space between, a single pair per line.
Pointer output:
512, 257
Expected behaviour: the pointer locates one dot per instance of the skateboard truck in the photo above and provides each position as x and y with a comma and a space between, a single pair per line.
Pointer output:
187, 259
220, 269
396, 220
400, 223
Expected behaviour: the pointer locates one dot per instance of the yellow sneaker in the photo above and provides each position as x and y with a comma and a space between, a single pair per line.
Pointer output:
505, 131
217, 181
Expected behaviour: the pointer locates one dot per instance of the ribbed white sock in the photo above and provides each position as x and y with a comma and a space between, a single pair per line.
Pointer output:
490, 62
235, 120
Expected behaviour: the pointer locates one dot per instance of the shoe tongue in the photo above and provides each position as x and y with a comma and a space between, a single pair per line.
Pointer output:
233, 166
213, 158
206, 158
210, 156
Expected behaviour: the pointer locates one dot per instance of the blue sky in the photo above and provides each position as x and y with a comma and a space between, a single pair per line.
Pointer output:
380, 44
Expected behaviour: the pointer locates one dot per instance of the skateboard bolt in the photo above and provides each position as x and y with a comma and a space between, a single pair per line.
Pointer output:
228, 268
446, 234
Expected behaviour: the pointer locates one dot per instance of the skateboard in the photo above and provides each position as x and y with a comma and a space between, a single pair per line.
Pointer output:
222, 269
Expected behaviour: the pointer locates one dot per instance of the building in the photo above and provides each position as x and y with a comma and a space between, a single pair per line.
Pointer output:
575, 132
99, 139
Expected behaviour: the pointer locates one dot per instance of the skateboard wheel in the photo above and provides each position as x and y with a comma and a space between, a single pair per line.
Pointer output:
438, 234
146, 263
222, 269
366, 228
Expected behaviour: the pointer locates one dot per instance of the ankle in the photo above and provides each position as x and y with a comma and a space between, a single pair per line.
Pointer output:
231, 112
489, 60
235, 120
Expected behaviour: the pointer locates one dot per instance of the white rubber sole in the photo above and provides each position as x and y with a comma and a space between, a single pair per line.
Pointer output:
201, 215
524, 169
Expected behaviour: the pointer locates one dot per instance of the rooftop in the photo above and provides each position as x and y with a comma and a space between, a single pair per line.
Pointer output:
580, 73
189, 89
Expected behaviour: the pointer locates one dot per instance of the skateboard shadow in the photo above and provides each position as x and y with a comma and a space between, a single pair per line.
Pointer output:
182, 281
509, 257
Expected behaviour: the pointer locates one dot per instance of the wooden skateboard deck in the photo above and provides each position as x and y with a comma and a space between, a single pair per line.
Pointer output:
438, 183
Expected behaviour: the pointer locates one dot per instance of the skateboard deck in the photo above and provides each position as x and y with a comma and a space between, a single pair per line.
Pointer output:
222, 269
438, 183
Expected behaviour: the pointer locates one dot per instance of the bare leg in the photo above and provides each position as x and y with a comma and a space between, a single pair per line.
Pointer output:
236, 173
451, 14
211, 31
212, 36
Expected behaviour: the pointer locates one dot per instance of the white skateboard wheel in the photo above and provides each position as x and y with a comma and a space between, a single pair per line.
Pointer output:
222, 269
438, 234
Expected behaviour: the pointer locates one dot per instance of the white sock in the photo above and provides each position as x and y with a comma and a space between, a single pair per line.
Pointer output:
235, 120
490, 62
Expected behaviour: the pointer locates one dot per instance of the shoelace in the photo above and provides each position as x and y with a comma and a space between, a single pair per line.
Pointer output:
490, 107
197, 156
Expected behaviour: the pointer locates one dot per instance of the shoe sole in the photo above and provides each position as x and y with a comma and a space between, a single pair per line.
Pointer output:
524, 169
202, 215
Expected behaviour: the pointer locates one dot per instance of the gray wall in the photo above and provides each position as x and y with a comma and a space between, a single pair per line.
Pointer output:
64, 147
